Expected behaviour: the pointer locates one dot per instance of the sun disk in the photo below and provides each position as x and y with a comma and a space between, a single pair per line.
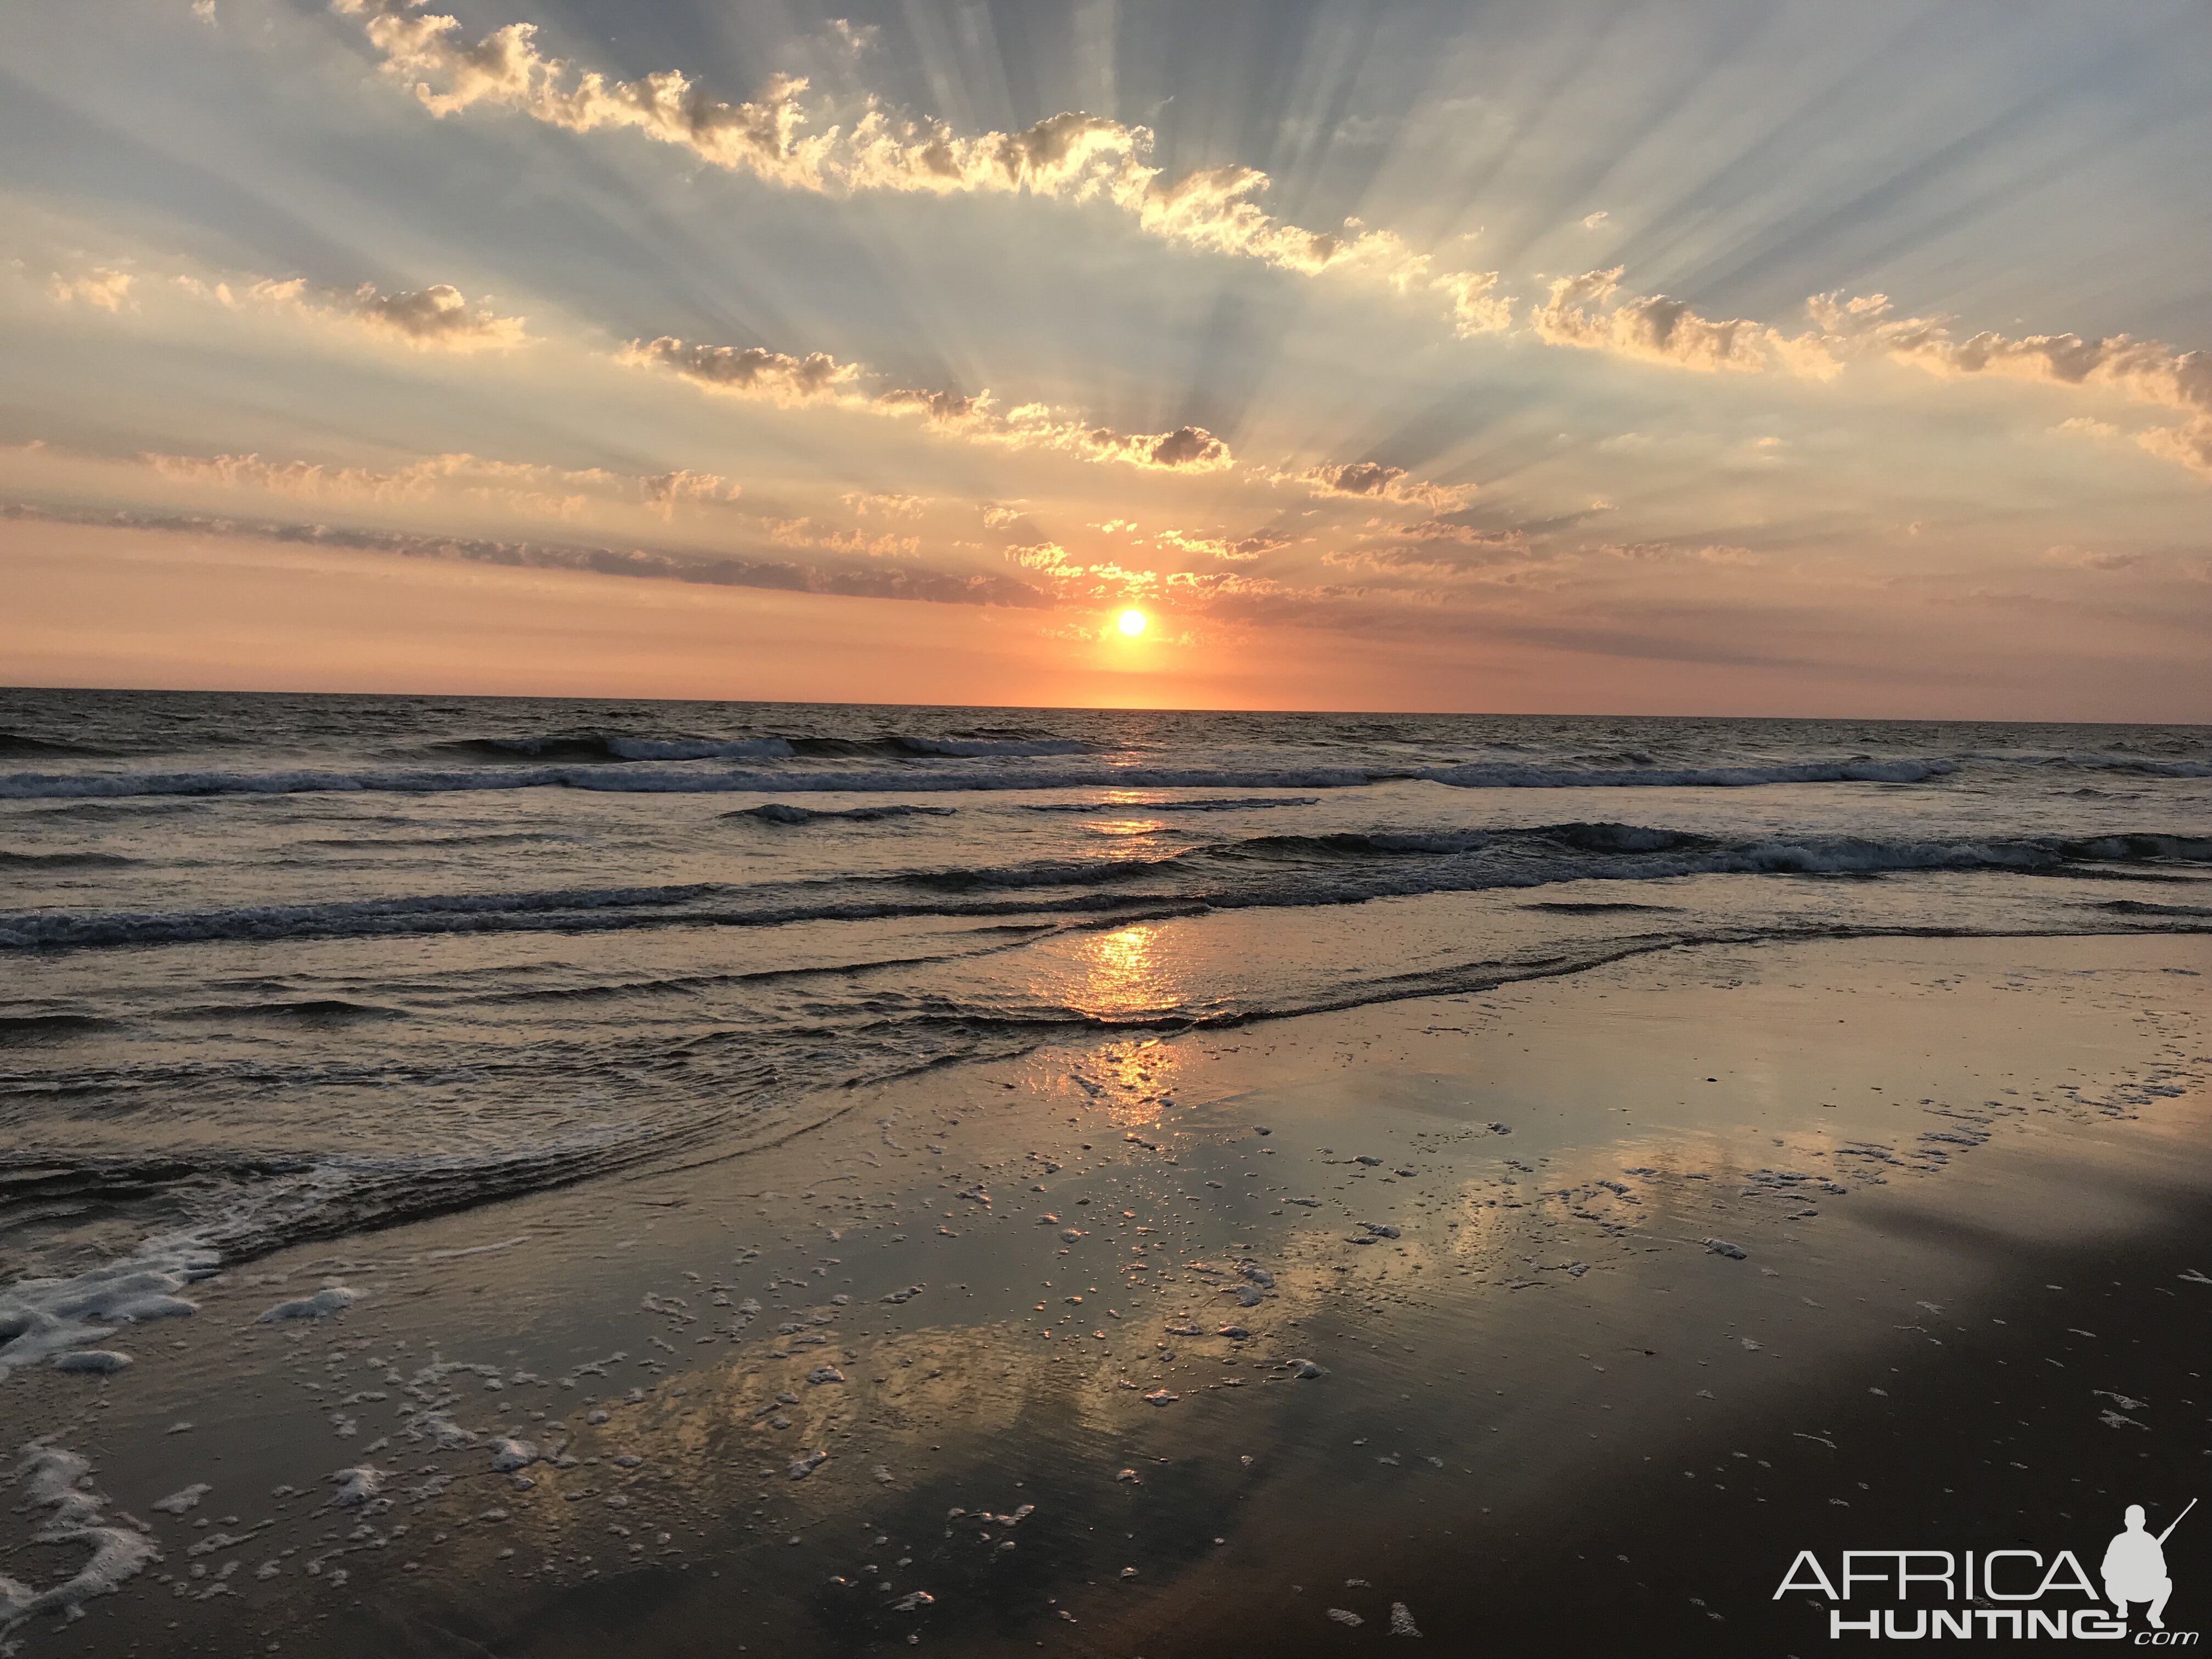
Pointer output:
1131, 623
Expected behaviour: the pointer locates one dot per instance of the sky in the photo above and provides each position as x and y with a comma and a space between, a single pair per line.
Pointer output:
1761, 359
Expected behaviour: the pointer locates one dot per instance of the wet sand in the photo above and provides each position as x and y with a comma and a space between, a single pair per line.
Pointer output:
1495, 1383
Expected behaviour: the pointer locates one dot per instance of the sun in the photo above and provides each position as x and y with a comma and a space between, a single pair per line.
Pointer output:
1131, 623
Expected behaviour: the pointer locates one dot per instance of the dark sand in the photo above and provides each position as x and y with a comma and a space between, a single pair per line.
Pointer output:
1551, 1419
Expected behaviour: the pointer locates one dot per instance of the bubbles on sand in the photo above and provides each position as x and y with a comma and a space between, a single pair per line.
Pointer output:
356, 1486
333, 1299
62, 1318
58, 1482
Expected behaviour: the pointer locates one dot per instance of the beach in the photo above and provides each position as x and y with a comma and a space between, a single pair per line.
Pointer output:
538, 1177
1126, 830
1634, 1281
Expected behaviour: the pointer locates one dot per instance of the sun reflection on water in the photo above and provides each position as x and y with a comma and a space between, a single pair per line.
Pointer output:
1121, 975
1127, 826
1125, 975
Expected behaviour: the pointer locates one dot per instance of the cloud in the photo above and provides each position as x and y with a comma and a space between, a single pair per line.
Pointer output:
2147, 371
525, 486
804, 532
1241, 550
855, 38
1477, 306
664, 491
866, 502
2190, 445
2089, 558
1000, 515
300, 478
437, 317
505, 69
1185, 449
1711, 553
99, 287
753, 372
1444, 547
2088, 426
2143, 371
872, 582
1374, 480
748, 371
1586, 311
1079, 157
1071, 156
1589, 312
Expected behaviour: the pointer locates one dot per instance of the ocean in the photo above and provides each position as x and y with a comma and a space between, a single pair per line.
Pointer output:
275, 967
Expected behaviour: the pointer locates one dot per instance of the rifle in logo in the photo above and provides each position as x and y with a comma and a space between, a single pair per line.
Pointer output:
2134, 1565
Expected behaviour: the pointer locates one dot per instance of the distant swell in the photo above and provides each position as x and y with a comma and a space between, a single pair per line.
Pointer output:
48, 1027
610, 747
16, 745
27, 786
63, 860
776, 812
313, 1010
1226, 804
590, 746
1286, 872
2148, 768
976, 748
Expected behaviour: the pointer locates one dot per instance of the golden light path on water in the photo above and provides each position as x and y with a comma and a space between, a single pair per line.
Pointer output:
1126, 975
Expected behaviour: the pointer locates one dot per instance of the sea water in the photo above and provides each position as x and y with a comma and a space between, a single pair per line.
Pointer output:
280, 967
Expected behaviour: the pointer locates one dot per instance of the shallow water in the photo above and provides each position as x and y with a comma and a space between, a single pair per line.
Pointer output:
1484, 1219
275, 967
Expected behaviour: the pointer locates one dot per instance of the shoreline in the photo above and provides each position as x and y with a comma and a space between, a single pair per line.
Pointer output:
1512, 1266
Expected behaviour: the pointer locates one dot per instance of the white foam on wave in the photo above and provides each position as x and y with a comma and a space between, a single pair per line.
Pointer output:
55, 1480
58, 1319
33, 786
331, 1298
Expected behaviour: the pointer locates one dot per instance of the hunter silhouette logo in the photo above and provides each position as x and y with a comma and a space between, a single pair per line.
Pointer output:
2135, 1566
2000, 1593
